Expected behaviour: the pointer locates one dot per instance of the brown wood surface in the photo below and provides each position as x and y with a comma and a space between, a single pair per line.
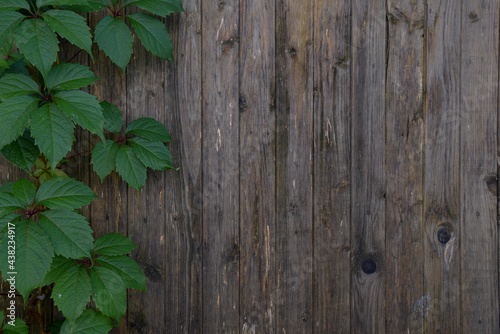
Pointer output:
338, 169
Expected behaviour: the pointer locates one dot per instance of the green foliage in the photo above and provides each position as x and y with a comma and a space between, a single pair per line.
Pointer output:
40, 105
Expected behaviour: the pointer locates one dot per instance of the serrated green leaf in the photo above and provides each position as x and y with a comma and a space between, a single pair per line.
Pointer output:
19, 327
69, 76
72, 291
9, 203
53, 132
22, 152
12, 218
9, 22
33, 256
104, 158
24, 191
130, 168
153, 35
58, 267
113, 119
71, 26
127, 268
152, 154
38, 43
115, 39
69, 232
40, 3
113, 244
62, 193
55, 327
149, 128
83, 109
15, 114
158, 7
90, 322
7, 187
110, 294
12, 85
8, 5
91, 6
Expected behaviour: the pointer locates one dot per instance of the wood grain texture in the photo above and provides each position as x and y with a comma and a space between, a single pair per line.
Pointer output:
183, 188
294, 104
146, 92
257, 167
478, 167
368, 187
220, 147
406, 303
332, 166
442, 177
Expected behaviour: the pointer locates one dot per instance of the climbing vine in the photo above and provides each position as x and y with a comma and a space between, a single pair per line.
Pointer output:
44, 239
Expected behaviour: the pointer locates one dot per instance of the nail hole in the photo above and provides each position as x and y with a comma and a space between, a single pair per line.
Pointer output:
369, 266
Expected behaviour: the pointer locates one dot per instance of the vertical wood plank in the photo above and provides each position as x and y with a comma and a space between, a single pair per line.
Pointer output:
406, 305
146, 211
478, 157
109, 211
183, 190
257, 167
332, 157
220, 138
442, 172
294, 166
368, 167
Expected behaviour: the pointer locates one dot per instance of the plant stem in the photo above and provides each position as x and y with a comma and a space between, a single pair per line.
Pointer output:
74, 56
79, 153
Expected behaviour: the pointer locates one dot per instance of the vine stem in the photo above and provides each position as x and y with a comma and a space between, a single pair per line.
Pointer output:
78, 154
74, 56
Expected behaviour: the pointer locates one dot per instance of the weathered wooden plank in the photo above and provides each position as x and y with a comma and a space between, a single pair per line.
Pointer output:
257, 167
146, 92
368, 167
442, 177
108, 212
332, 163
406, 304
220, 140
294, 253
183, 195
478, 167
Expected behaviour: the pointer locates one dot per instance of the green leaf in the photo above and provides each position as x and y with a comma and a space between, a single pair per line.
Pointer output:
33, 256
7, 187
113, 244
90, 322
53, 132
91, 6
22, 152
38, 43
12, 85
9, 203
19, 327
62, 193
83, 109
127, 268
152, 154
8, 5
131, 169
104, 158
158, 7
12, 218
40, 3
9, 22
153, 35
113, 119
72, 291
110, 294
150, 129
71, 26
69, 76
15, 114
55, 327
69, 232
58, 267
115, 39
24, 191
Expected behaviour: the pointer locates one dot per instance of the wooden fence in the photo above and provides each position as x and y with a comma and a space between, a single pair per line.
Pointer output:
338, 169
